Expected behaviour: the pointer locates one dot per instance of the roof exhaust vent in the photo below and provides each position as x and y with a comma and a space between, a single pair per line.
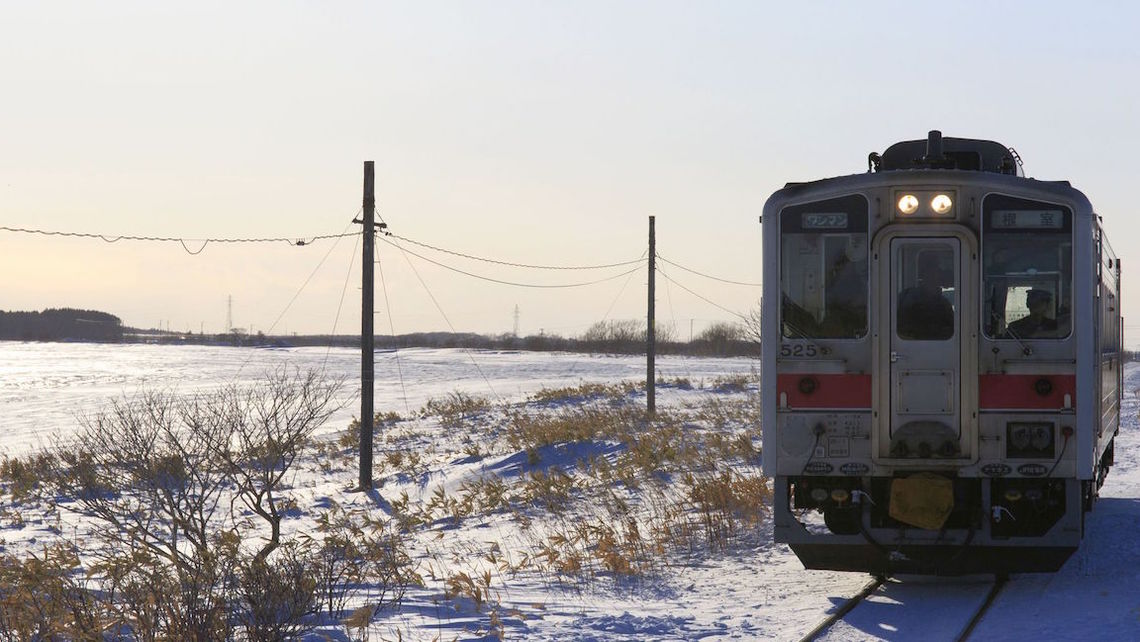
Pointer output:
933, 146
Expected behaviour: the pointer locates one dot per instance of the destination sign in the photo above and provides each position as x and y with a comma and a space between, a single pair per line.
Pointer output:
824, 220
1027, 219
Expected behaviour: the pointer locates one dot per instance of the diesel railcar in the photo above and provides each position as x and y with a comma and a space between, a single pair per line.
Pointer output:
941, 363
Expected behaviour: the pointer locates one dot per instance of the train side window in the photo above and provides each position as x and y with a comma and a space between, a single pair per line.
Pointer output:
824, 269
1026, 269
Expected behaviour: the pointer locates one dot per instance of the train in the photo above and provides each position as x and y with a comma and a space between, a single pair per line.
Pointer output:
941, 363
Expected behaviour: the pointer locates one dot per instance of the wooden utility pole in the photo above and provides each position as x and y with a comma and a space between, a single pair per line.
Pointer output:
367, 366
650, 329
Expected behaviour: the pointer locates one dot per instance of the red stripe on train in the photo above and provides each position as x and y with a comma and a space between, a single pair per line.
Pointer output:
825, 390
1024, 392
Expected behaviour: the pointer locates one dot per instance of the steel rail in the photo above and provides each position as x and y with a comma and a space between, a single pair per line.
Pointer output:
999, 583
851, 603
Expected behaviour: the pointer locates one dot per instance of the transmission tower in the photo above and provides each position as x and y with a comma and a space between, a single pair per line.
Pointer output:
516, 320
230, 313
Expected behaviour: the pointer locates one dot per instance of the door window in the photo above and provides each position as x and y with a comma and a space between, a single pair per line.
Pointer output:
927, 291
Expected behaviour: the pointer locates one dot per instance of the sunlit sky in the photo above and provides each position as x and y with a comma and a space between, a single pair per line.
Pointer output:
527, 132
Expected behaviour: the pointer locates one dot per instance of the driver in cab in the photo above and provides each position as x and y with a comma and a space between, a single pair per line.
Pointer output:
1037, 323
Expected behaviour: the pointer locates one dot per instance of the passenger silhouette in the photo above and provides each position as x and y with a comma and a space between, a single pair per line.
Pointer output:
924, 314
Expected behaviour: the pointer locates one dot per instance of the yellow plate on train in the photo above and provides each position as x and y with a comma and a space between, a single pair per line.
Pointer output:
924, 500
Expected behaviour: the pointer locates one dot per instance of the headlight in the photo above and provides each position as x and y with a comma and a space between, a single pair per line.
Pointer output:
941, 204
908, 204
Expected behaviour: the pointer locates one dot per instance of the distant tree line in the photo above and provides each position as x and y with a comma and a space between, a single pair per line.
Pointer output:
616, 336
622, 336
60, 325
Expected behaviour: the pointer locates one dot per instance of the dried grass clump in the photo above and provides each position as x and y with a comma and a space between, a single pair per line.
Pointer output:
531, 432
45, 598
614, 392
726, 502
23, 477
456, 408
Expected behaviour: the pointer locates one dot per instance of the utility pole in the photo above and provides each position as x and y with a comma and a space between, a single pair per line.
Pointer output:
650, 333
367, 370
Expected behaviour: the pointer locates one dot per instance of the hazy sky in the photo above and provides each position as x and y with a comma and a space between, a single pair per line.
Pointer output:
529, 132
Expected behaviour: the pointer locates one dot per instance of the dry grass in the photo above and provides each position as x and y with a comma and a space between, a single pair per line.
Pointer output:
596, 490
22, 477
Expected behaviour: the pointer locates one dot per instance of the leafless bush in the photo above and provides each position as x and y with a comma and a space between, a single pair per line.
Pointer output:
278, 595
271, 426
163, 474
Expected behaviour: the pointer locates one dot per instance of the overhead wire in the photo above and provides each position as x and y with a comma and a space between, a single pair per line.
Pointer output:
443, 314
340, 304
708, 276
302, 289
512, 264
500, 281
295, 241
623, 287
712, 303
391, 327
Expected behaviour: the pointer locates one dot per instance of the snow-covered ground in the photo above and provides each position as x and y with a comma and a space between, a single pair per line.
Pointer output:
751, 589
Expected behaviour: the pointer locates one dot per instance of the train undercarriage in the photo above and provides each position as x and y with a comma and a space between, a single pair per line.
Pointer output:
991, 525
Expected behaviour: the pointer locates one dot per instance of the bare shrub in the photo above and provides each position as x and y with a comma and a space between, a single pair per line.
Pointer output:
271, 427
157, 470
147, 469
278, 595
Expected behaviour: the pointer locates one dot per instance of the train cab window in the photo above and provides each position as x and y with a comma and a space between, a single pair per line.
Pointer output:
1027, 256
824, 269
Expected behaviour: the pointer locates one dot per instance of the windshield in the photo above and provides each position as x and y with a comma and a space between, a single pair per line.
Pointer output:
1027, 269
823, 269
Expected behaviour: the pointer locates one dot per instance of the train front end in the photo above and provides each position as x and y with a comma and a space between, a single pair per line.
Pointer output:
941, 363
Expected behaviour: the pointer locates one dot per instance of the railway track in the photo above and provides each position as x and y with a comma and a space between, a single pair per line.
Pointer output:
921, 608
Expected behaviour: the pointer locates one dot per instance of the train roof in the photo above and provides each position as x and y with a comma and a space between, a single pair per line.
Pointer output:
936, 152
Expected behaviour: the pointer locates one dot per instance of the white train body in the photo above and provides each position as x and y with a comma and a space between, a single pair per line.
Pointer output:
941, 363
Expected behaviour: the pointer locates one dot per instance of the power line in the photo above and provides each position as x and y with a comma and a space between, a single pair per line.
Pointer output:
296, 241
521, 285
708, 276
513, 265
510, 264
392, 327
716, 305
444, 315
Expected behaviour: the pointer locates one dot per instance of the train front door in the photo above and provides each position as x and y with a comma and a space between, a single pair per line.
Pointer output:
921, 307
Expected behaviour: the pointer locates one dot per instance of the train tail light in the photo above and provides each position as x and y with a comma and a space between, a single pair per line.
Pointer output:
1030, 440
